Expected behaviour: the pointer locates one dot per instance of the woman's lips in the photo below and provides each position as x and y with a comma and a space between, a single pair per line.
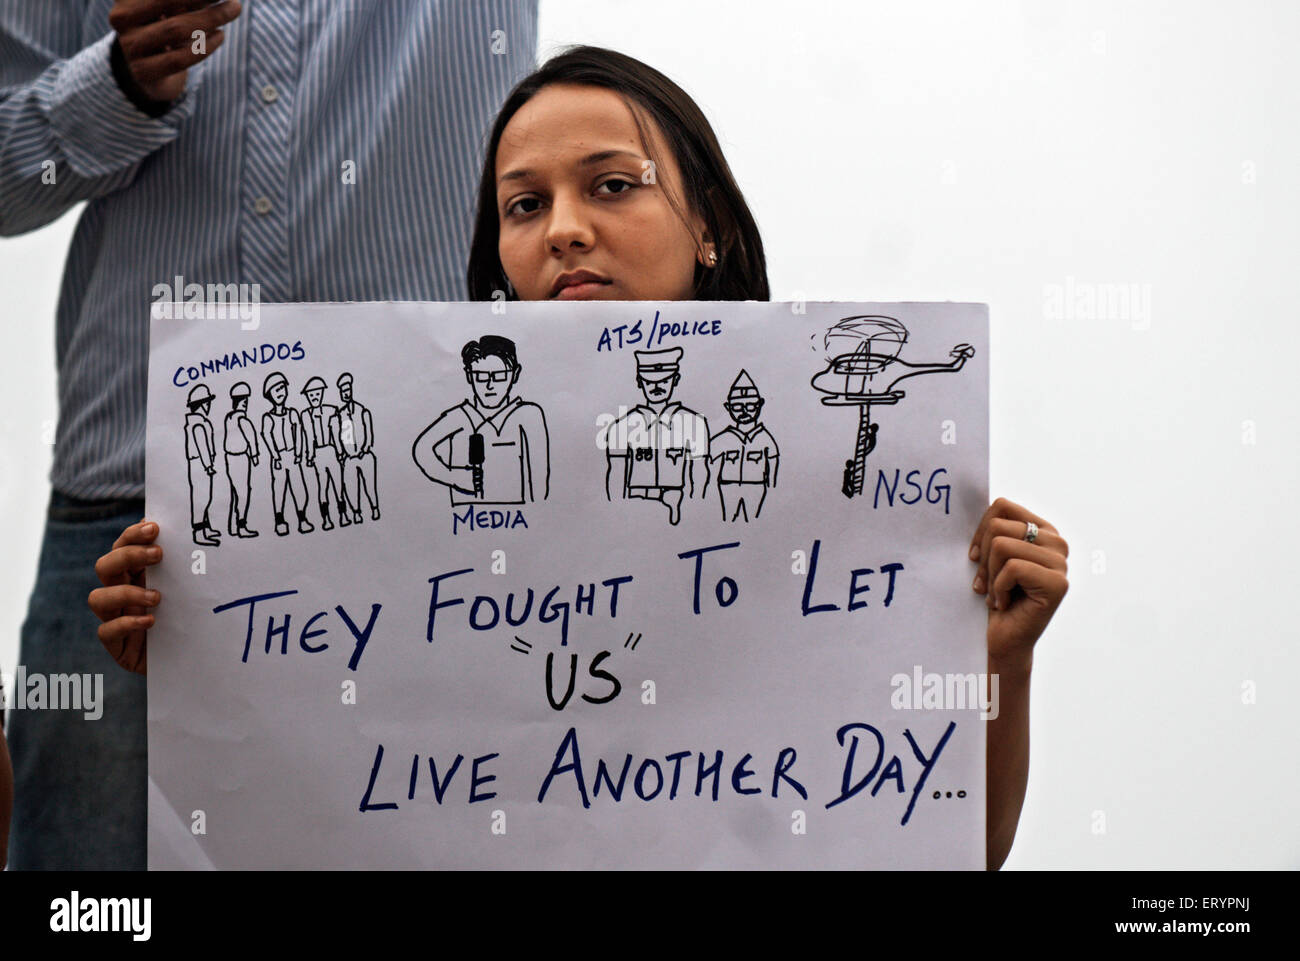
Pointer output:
581, 291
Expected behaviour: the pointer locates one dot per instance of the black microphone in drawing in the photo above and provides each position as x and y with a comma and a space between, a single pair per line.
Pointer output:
476, 461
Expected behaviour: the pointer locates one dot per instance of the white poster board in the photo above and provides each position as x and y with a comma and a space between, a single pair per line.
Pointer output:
736, 607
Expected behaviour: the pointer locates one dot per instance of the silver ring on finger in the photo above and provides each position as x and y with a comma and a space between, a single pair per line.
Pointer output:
1031, 531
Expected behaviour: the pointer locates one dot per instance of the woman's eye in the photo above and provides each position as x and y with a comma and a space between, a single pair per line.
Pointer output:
623, 185
523, 200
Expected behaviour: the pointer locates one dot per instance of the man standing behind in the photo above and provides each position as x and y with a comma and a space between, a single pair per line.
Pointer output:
225, 145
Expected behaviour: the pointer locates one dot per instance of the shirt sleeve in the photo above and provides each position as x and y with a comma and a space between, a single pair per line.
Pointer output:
67, 131
616, 437
425, 449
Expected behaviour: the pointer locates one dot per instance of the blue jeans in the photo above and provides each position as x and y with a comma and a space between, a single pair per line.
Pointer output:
80, 786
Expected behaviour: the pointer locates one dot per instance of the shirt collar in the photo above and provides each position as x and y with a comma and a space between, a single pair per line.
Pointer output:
497, 419
649, 414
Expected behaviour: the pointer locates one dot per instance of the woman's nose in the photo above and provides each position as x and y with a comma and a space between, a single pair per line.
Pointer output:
568, 226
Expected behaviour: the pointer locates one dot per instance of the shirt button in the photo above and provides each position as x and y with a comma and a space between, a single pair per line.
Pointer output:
262, 205
270, 94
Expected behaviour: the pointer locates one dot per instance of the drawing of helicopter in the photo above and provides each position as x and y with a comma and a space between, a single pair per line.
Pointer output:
863, 353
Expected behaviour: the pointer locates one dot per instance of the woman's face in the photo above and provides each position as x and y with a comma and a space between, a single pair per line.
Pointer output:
576, 192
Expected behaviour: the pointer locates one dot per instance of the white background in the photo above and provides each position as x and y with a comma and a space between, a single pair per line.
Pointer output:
985, 152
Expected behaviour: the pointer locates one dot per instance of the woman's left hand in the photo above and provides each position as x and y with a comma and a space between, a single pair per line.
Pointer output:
1023, 582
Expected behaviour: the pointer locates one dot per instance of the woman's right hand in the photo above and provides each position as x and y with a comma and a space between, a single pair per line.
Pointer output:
123, 602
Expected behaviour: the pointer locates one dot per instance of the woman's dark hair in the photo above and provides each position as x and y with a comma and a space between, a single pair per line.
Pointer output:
710, 189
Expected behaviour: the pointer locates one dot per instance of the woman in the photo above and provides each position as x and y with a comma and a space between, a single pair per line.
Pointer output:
603, 180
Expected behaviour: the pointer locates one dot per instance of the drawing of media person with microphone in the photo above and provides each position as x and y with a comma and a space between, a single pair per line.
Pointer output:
492, 448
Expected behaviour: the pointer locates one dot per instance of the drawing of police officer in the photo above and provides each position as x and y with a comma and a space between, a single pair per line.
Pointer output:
200, 456
659, 450
746, 453
239, 444
285, 444
322, 455
353, 435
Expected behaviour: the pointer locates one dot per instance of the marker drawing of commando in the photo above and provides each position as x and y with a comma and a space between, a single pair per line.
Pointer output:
242, 453
200, 458
322, 454
285, 445
493, 447
352, 433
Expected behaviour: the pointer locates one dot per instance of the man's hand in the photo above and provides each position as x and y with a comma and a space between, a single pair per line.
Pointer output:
471, 480
157, 39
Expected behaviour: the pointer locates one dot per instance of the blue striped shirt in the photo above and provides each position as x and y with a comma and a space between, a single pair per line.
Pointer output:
245, 179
